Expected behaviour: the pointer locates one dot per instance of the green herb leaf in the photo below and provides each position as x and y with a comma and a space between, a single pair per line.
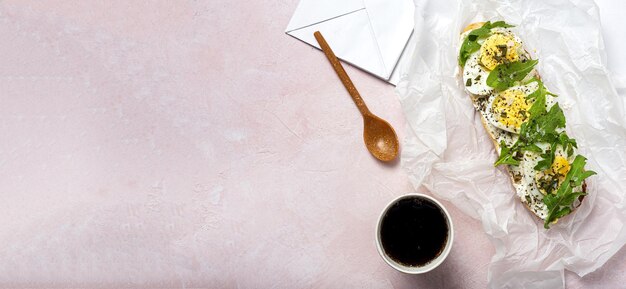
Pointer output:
542, 124
539, 106
501, 24
541, 91
566, 140
560, 204
567, 143
547, 159
507, 74
470, 44
531, 148
467, 48
565, 211
506, 156
549, 122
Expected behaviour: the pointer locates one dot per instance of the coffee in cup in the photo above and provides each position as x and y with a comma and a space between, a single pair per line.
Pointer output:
414, 234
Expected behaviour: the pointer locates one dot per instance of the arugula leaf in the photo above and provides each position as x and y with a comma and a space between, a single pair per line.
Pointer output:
560, 204
549, 122
501, 24
538, 108
505, 75
506, 156
480, 32
567, 143
541, 91
556, 116
531, 148
471, 45
529, 131
467, 48
547, 159
541, 125
563, 212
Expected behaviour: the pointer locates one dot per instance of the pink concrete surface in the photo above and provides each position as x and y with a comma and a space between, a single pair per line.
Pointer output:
193, 144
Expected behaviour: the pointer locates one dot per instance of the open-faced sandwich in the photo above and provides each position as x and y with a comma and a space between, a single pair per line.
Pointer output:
524, 120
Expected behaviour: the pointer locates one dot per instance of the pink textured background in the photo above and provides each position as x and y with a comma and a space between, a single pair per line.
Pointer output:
193, 144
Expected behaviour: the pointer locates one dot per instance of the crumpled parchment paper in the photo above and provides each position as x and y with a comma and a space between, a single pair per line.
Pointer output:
448, 151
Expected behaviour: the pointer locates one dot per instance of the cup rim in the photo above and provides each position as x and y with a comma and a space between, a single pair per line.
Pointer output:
429, 266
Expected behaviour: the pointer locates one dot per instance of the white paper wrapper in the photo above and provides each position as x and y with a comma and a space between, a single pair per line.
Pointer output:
449, 152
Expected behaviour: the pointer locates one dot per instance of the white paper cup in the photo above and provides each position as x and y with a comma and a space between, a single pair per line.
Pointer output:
430, 265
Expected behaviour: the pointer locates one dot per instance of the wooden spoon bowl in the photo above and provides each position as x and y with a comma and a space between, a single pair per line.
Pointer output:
380, 138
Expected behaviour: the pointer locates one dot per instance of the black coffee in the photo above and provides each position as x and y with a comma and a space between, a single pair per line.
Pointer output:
414, 231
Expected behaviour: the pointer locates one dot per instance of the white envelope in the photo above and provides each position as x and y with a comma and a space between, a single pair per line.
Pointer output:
369, 34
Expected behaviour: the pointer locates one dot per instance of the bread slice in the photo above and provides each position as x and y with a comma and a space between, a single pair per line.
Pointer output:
479, 105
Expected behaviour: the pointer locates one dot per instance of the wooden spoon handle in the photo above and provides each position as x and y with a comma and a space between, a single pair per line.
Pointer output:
345, 79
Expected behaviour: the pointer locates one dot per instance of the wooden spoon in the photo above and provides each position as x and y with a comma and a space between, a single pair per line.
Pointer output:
380, 138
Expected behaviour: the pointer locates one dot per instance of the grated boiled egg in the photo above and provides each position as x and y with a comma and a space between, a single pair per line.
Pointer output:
508, 109
499, 48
